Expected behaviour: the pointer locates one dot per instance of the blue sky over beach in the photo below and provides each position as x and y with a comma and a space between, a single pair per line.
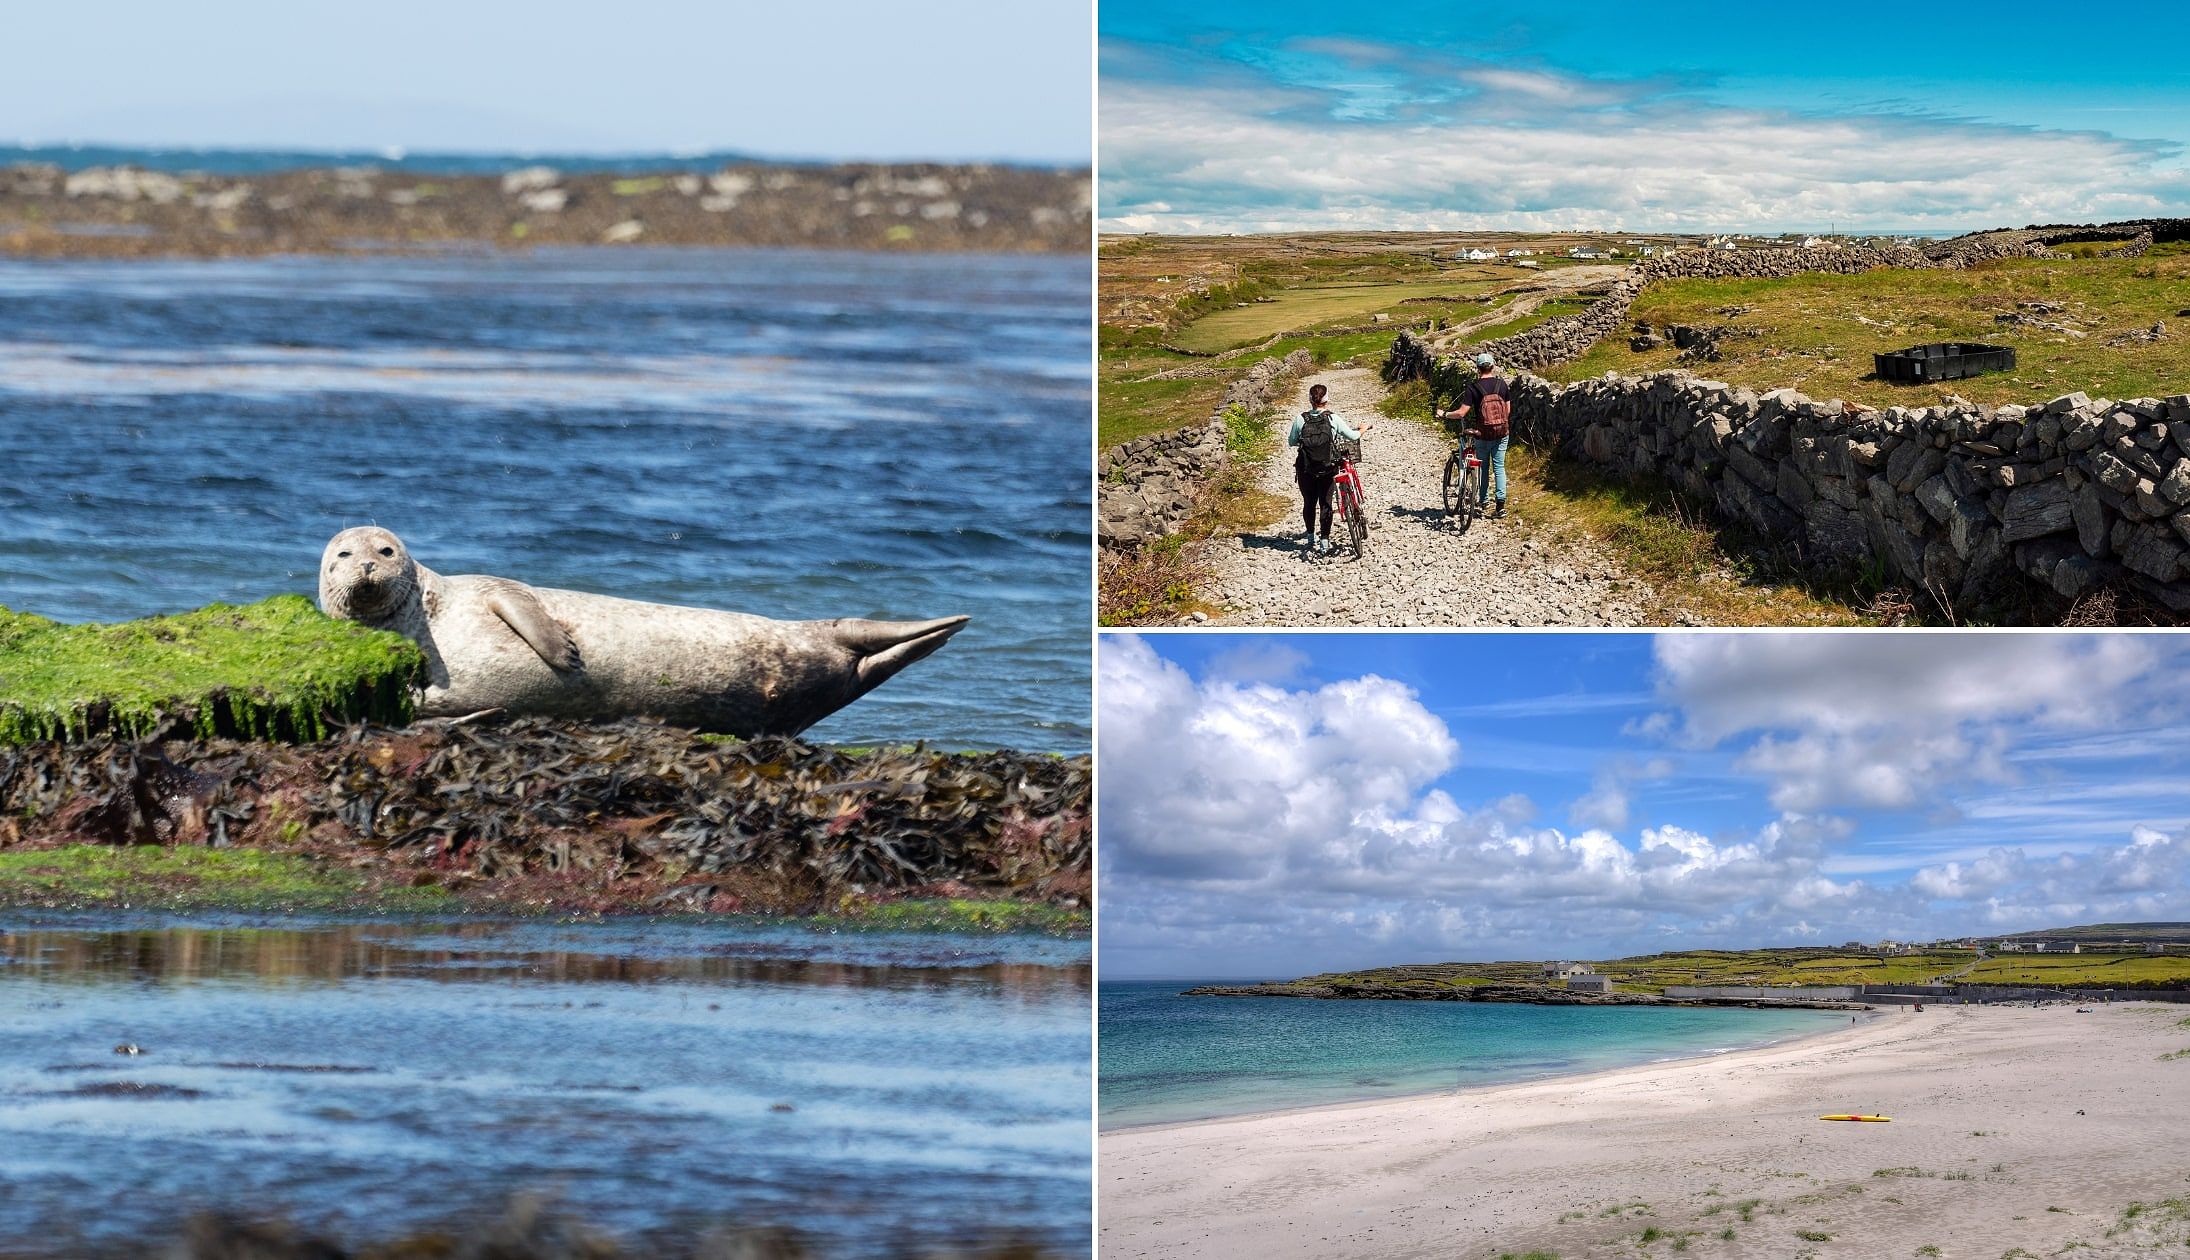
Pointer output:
945, 80
1237, 116
1279, 804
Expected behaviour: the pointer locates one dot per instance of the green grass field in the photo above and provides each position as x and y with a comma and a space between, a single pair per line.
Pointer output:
1306, 309
1129, 405
1817, 333
1651, 973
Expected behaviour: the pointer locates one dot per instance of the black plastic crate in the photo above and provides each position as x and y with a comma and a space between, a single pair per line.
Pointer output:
1942, 361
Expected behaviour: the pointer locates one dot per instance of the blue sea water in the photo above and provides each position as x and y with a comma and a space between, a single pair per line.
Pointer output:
1165, 1057
793, 433
884, 1094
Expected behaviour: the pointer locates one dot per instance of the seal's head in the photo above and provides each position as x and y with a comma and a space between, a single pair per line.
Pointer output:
366, 574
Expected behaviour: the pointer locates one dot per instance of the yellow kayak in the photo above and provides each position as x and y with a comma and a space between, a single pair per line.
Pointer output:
1863, 1119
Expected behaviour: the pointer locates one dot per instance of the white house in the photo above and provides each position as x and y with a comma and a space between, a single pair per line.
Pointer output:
1566, 970
1478, 255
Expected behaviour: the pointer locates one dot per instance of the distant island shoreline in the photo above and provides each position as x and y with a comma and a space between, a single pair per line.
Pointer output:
138, 210
2105, 961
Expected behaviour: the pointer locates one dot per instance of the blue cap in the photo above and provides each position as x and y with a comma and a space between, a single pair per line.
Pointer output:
1484, 360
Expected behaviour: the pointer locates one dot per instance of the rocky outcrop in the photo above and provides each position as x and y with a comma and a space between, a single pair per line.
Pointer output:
1147, 487
130, 210
1961, 502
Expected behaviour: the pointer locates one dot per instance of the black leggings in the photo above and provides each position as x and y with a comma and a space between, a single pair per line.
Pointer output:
1315, 488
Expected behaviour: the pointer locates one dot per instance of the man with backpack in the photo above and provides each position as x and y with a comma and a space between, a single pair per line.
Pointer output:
1491, 400
1316, 432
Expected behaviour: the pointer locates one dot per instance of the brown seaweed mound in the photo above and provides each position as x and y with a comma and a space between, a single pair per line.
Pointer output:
630, 812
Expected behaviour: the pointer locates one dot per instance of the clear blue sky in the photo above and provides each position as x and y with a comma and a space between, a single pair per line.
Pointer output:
1233, 115
940, 79
1279, 804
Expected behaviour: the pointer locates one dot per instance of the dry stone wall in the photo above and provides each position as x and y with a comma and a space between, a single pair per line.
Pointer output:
1147, 487
1959, 502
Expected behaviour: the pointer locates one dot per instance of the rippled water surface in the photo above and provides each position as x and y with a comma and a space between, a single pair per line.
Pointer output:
796, 434
369, 1078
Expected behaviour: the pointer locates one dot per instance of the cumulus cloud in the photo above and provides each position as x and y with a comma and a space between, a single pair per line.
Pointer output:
1838, 722
1266, 827
1240, 817
1399, 139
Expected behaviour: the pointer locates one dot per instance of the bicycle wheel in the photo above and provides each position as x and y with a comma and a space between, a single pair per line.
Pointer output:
1452, 483
1471, 494
1357, 525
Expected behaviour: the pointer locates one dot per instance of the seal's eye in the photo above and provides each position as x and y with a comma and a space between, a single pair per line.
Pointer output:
387, 551
342, 555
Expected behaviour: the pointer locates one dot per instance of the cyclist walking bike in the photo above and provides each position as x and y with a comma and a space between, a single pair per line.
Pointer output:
1481, 458
1323, 471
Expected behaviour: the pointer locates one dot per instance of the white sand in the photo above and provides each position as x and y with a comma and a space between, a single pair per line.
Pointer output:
2001, 1114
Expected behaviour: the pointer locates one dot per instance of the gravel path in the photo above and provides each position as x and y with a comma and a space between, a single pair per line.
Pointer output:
1419, 571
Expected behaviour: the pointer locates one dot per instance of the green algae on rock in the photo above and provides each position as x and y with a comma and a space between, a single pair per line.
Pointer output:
277, 669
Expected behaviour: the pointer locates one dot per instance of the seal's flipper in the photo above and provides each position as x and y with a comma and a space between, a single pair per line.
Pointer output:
885, 647
521, 609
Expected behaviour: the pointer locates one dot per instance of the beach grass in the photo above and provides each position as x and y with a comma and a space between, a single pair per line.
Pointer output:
277, 669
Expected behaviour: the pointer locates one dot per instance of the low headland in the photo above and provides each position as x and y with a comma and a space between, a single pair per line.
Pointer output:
127, 211
2095, 961
263, 757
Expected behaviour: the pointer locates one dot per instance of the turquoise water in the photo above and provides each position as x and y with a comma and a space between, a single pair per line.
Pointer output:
1168, 1058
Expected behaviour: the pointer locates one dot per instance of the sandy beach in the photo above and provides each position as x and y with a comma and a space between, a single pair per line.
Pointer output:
2014, 1128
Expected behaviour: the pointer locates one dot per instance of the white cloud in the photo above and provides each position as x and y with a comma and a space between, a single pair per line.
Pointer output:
1254, 827
1838, 722
1465, 146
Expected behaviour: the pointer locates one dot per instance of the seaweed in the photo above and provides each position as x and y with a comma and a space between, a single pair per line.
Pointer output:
765, 825
277, 670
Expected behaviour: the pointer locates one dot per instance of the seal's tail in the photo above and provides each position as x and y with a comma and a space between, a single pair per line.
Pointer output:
886, 647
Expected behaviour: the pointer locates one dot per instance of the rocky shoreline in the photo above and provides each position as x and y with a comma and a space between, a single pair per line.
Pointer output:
539, 815
1527, 994
127, 211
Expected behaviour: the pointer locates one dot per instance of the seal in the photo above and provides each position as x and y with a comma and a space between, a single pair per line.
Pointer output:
494, 643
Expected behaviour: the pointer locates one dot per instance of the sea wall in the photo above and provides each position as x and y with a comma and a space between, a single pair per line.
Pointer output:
1959, 502
1784, 993
1147, 487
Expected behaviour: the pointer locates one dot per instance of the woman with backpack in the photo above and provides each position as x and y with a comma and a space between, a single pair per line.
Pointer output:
1491, 399
1316, 432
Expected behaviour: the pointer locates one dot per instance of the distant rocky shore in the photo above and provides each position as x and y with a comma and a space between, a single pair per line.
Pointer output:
128, 211
1530, 994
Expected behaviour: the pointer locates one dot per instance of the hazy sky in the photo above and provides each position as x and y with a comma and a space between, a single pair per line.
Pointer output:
1247, 115
945, 79
1278, 805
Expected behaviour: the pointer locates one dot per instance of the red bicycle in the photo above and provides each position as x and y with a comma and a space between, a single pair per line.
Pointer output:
1349, 498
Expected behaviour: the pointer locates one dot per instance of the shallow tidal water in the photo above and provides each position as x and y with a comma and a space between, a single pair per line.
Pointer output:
1169, 1058
658, 1079
798, 434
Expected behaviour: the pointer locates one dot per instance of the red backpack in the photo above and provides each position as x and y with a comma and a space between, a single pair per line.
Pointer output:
1496, 418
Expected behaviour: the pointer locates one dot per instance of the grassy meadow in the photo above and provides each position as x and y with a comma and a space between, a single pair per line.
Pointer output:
1817, 333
